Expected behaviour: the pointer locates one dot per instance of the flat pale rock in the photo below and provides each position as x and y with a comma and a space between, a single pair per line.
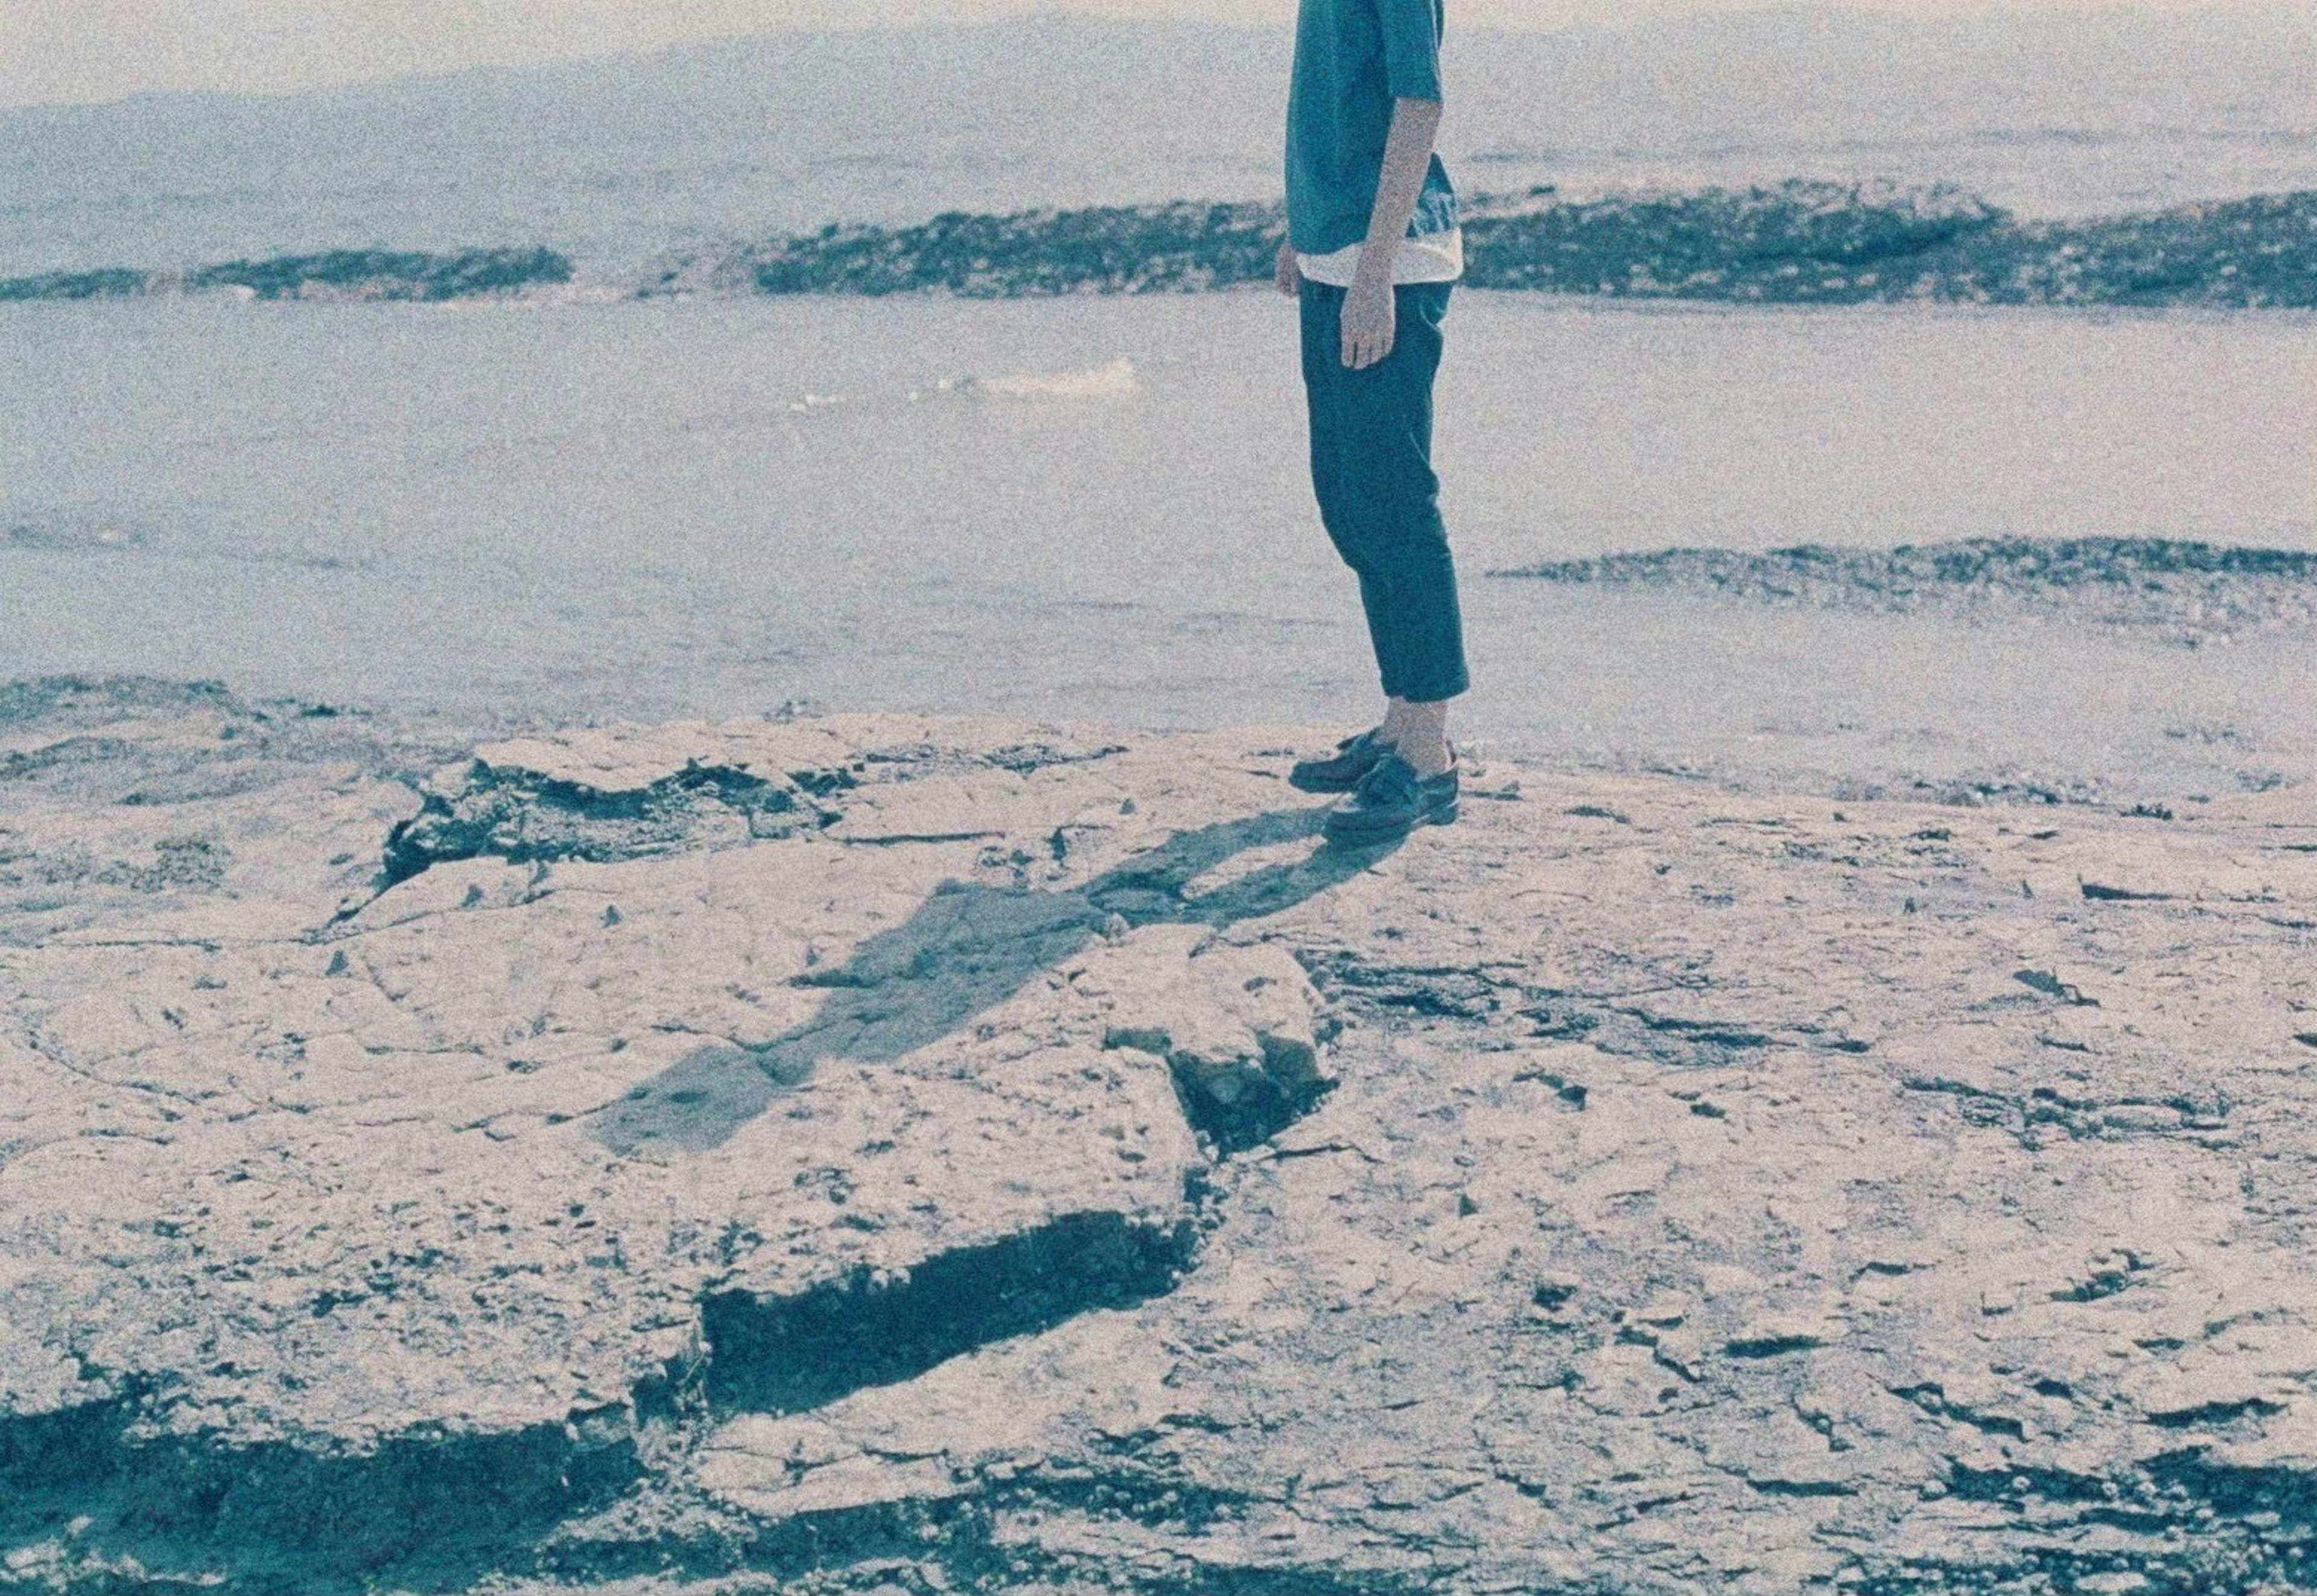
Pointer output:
825, 1155
481, 1165
479, 1154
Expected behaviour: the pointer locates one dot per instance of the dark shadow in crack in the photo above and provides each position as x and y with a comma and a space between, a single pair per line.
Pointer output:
437, 1507
790, 1354
963, 952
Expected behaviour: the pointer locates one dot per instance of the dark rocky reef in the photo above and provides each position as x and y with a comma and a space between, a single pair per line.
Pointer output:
339, 274
2160, 583
111, 282
1174, 248
1805, 243
1799, 241
372, 274
1795, 242
2254, 252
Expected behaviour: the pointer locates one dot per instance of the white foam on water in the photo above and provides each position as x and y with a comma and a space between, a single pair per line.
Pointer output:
1115, 380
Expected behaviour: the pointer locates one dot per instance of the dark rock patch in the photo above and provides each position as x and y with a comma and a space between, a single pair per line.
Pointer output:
106, 282
1176, 248
2186, 587
1791, 243
437, 1509
526, 817
82, 701
1796, 242
339, 274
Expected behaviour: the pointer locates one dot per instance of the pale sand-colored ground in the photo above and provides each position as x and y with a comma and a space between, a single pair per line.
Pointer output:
888, 1153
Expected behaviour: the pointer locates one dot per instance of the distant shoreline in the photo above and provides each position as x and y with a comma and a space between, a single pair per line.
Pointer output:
1791, 244
334, 274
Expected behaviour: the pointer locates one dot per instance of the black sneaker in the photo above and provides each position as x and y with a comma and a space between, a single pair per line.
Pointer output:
1392, 801
1342, 770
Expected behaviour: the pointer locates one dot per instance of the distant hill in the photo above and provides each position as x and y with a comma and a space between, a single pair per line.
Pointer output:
612, 160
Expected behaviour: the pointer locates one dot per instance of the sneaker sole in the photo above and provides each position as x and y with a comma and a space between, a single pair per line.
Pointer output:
1444, 816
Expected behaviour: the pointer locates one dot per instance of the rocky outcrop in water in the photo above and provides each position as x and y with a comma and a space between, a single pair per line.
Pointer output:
1178, 248
1823, 244
105, 283
2190, 591
1798, 241
1031, 1163
1795, 242
337, 274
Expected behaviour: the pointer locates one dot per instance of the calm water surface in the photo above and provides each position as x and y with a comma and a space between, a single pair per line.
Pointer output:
1097, 508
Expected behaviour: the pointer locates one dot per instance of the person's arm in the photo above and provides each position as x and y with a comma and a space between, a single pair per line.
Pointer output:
1370, 316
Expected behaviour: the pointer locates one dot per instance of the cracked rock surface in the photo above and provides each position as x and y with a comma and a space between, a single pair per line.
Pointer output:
895, 1154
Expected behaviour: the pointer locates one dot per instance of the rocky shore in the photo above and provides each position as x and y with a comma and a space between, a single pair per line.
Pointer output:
877, 1154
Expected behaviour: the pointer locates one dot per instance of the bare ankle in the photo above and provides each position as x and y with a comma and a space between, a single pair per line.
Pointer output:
1427, 756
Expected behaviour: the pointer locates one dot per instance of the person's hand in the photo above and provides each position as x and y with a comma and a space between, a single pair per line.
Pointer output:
1289, 270
1371, 321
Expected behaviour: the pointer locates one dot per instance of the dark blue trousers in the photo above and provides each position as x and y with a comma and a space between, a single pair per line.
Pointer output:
1372, 470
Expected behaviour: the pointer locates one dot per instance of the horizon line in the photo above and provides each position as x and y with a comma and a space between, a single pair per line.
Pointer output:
1649, 14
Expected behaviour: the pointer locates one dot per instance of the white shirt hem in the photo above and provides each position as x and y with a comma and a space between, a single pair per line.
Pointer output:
1428, 257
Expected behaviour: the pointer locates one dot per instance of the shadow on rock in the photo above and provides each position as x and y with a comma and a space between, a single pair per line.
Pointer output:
967, 949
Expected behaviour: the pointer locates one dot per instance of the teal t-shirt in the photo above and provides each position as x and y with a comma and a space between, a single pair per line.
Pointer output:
1353, 59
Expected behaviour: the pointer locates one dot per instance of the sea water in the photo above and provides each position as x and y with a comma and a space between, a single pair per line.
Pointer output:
1098, 509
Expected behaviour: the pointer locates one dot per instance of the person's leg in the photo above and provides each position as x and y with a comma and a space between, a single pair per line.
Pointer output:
1398, 542
1331, 405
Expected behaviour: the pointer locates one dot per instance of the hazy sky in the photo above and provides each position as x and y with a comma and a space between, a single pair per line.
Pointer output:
96, 50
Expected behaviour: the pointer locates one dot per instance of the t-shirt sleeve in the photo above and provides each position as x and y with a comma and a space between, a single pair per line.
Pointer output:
1411, 49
